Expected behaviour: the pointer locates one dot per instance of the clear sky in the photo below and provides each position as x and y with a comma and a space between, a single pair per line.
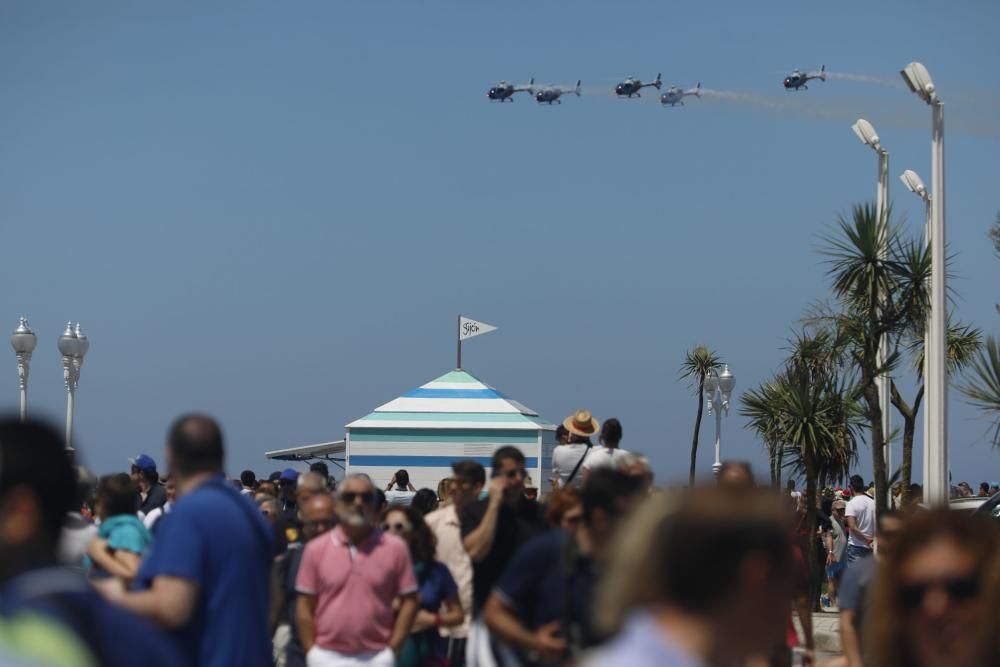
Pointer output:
273, 212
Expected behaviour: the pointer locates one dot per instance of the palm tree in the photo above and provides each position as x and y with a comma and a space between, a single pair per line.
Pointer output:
763, 406
963, 343
698, 363
983, 388
877, 295
811, 412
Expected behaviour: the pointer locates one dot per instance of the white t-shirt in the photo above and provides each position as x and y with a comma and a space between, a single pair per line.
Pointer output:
603, 457
156, 514
565, 458
862, 508
77, 533
399, 497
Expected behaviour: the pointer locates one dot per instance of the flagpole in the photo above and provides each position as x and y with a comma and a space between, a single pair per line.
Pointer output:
458, 335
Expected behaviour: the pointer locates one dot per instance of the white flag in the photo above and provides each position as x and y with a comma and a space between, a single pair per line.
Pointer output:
469, 328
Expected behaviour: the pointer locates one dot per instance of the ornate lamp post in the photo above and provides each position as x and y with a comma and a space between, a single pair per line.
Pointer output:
23, 340
718, 390
73, 345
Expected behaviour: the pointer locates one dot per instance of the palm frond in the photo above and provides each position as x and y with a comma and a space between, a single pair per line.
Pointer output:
982, 388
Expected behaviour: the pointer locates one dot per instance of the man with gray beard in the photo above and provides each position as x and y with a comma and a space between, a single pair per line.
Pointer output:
346, 585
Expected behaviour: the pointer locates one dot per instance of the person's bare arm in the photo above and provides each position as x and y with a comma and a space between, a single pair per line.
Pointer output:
169, 603
118, 563
450, 617
479, 542
852, 526
504, 624
305, 619
850, 643
408, 606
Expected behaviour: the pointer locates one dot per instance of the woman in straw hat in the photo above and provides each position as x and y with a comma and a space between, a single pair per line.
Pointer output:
567, 460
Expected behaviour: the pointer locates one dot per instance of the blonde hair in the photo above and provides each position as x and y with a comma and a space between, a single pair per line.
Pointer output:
976, 535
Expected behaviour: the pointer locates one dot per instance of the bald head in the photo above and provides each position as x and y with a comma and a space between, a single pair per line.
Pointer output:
319, 515
195, 445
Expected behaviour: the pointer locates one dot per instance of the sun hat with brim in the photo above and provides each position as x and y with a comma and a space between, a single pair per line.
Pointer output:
582, 424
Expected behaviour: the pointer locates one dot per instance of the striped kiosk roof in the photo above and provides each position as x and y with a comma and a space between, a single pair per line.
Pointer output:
454, 400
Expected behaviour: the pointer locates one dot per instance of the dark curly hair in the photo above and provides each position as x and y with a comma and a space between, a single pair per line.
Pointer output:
420, 539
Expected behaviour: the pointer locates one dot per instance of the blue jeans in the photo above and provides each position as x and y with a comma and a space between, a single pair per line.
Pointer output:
856, 553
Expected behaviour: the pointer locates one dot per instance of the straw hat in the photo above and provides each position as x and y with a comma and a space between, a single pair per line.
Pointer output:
582, 424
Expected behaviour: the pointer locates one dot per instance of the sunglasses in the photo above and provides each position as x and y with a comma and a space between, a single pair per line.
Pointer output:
959, 589
396, 527
367, 497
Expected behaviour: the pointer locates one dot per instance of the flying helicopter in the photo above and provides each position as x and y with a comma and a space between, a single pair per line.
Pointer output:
550, 93
504, 92
631, 86
675, 95
797, 79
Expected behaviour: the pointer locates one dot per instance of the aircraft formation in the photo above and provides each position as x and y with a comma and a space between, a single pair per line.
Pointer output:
631, 87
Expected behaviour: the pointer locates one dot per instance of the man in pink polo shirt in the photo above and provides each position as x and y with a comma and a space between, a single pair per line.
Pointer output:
347, 582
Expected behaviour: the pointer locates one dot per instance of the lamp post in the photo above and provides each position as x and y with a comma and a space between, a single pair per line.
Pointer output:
23, 340
73, 345
718, 390
937, 491
915, 185
868, 136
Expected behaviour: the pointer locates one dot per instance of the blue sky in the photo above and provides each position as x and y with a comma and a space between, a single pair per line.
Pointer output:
273, 212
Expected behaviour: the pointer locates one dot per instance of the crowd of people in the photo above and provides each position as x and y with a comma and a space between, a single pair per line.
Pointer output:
606, 570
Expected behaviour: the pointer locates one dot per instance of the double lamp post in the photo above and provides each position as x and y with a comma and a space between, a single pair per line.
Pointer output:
73, 346
935, 370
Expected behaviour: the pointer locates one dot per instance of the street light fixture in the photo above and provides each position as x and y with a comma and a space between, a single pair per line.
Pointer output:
73, 345
718, 390
868, 136
23, 340
915, 184
937, 490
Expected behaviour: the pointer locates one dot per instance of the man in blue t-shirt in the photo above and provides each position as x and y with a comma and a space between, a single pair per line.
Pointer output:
207, 575
541, 605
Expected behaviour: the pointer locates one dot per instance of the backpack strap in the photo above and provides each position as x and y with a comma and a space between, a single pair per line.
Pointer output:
569, 480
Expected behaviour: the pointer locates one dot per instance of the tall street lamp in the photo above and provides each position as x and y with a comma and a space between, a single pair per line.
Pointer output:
73, 345
937, 491
868, 136
23, 340
915, 184
718, 390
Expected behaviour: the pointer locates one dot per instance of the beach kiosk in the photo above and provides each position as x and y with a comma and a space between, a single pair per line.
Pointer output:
454, 417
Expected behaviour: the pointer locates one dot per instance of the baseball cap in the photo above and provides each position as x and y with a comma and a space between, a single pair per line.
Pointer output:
144, 462
288, 475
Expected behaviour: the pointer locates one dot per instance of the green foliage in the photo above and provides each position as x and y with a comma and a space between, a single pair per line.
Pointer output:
982, 387
698, 363
994, 235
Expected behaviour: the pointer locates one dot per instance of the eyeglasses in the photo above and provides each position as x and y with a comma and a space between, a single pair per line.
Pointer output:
959, 589
367, 497
396, 527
